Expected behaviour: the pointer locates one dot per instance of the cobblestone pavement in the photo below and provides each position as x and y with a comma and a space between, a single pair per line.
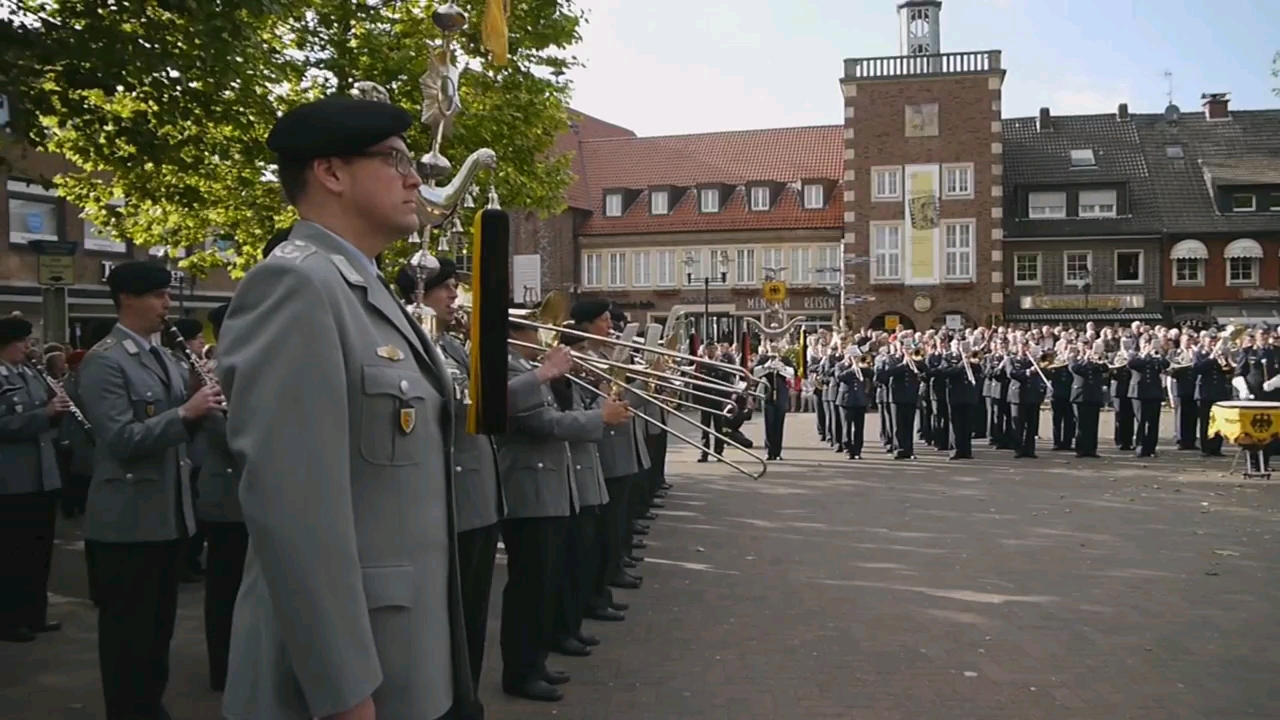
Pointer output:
994, 588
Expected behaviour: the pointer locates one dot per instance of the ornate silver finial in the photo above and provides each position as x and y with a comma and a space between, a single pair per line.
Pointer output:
493, 199
365, 90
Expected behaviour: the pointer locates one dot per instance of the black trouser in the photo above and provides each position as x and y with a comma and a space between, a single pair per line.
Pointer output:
924, 427
577, 580
135, 586
1124, 423
1064, 423
835, 424
1187, 412
1026, 425
993, 420
614, 527
715, 421
1087, 428
961, 431
978, 412
658, 455
535, 565
75, 493
1148, 432
941, 425
477, 551
1208, 445
775, 419
228, 543
27, 522
855, 423
820, 410
885, 408
904, 417
195, 543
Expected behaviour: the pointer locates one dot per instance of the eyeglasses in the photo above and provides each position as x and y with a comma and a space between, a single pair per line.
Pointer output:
399, 160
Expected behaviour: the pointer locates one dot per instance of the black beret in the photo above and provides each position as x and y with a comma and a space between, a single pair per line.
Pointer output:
138, 277
189, 328
436, 272
275, 240
336, 126
13, 329
216, 315
584, 311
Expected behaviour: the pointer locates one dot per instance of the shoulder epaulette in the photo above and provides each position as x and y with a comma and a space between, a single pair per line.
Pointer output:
104, 344
294, 250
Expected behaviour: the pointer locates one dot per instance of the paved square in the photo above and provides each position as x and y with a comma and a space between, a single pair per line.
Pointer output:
993, 588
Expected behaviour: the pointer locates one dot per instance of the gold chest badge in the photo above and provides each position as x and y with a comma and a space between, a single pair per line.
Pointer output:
408, 418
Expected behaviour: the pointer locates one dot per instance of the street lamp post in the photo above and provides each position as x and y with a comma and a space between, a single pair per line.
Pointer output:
706, 289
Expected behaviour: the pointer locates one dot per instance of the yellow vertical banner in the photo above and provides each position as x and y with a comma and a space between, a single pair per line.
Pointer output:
922, 210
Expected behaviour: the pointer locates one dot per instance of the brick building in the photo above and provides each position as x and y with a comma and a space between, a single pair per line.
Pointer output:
922, 191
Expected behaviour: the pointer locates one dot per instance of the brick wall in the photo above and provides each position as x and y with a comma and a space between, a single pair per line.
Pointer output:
1053, 275
554, 239
1215, 287
968, 132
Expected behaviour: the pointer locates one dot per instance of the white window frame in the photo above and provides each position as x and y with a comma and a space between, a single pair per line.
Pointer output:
744, 270
828, 257
772, 257
1096, 208
1083, 158
641, 268
760, 198
615, 269
685, 270
1039, 258
892, 256
613, 204
1031, 204
592, 270
709, 200
892, 181
1254, 268
815, 196
1253, 202
800, 265
1197, 263
960, 254
713, 266
1066, 266
1142, 266
666, 260
962, 190
659, 202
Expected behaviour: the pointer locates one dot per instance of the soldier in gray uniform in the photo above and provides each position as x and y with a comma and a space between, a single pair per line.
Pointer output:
477, 494
29, 484
219, 518
79, 468
192, 332
139, 513
536, 469
350, 605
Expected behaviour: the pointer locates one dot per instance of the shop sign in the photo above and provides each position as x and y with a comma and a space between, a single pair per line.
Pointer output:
1258, 294
1082, 302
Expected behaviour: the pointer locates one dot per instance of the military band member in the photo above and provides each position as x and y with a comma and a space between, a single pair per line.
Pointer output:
30, 415
851, 398
1213, 371
1088, 394
963, 388
940, 434
711, 401
219, 518
904, 391
192, 332
835, 422
1258, 378
536, 470
1027, 391
1060, 406
1183, 378
339, 418
1147, 393
79, 441
1121, 381
777, 371
139, 512
883, 406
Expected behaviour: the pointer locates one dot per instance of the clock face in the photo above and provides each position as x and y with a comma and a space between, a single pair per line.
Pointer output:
919, 26
922, 303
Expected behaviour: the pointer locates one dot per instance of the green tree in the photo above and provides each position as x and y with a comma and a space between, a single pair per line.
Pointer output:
167, 104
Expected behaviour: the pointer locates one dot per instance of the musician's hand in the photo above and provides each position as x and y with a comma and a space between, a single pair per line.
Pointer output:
58, 405
363, 711
556, 363
615, 412
205, 400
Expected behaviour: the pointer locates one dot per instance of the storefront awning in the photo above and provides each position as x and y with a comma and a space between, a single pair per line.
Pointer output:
1035, 317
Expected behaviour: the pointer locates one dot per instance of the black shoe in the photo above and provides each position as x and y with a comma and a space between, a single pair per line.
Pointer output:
702, 458
588, 640
639, 530
18, 635
555, 677
628, 563
47, 626
619, 606
638, 544
649, 516
570, 647
539, 690
903, 456
656, 503
661, 494
960, 457
625, 582
605, 615
635, 558
665, 486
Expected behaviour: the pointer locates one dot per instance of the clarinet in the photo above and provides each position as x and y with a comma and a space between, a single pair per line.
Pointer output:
181, 344
58, 389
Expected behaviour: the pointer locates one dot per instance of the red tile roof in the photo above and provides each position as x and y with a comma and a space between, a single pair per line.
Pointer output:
584, 127
783, 155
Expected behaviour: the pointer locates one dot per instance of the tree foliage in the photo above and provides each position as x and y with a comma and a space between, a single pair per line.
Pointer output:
167, 103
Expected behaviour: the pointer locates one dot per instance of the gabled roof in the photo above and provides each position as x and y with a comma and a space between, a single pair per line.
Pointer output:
783, 155
583, 127
1244, 147
1034, 157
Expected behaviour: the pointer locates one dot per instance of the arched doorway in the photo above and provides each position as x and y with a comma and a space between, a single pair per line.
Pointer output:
953, 320
891, 322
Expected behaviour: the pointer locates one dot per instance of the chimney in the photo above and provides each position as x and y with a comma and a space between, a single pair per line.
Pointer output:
1122, 112
1045, 123
1215, 105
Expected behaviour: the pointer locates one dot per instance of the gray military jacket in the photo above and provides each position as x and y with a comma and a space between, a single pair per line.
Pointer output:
622, 450
475, 463
74, 433
587, 476
340, 424
28, 458
218, 483
141, 486
533, 455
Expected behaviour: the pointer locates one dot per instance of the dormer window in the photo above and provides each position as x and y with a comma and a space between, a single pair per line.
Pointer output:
1173, 152
759, 198
658, 200
813, 197
1244, 202
613, 205
1046, 204
1097, 203
1083, 158
709, 200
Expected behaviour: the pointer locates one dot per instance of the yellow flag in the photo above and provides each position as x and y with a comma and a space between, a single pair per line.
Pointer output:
493, 31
